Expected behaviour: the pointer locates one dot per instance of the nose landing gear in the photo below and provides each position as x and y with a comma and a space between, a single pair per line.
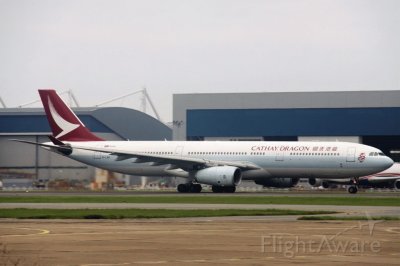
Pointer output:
353, 189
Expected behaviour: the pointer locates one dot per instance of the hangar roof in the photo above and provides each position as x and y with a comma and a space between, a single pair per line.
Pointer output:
304, 99
124, 122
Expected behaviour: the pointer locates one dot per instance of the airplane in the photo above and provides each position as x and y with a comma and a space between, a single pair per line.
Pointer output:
220, 164
390, 178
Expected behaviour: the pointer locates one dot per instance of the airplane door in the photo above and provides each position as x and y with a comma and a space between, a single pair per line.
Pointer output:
179, 150
279, 156
351, 154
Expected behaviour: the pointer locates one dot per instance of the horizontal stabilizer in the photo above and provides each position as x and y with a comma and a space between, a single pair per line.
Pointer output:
34, 143
65, 149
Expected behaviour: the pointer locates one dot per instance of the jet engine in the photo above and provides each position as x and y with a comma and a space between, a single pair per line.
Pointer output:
316, 182
219, 176
279, 182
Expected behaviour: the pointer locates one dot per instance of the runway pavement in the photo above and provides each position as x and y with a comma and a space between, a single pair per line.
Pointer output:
196, 241
246, 240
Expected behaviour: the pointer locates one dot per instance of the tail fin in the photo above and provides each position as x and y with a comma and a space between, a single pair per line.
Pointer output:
64, 124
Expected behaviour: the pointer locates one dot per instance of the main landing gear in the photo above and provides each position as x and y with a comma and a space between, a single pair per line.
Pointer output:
189, 188
219, 189
353, 189
196, 188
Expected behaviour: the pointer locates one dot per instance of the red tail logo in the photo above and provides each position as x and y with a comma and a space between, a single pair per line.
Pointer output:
64, 124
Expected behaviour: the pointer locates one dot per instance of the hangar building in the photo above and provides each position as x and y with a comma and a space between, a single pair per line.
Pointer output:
369, 117
29, 161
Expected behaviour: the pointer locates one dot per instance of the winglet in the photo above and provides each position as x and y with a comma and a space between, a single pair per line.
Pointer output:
64, 124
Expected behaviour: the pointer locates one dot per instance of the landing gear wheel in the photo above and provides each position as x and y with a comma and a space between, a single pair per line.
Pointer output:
219, 189
189, 187
183, 188
195, 188
229, 189
352, 189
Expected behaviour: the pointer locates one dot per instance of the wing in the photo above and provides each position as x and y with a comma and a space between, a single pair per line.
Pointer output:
185, 163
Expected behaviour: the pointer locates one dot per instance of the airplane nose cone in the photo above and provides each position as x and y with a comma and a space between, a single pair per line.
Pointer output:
383, 163
388, 162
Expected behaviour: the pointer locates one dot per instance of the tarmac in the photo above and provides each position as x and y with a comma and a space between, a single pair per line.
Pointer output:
248, 240
199, 241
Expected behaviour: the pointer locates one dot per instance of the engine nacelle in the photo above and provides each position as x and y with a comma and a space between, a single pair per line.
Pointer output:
397, 184
316, 182
219, 176
279, 182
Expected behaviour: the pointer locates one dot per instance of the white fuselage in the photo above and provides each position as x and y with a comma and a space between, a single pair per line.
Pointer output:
274, 159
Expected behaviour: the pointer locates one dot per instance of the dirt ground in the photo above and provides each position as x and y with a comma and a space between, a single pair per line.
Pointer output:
207, 241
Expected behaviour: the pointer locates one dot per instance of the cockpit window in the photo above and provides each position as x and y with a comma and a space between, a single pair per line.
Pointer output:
376, 154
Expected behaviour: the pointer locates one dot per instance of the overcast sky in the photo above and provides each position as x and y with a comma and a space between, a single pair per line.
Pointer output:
104, 49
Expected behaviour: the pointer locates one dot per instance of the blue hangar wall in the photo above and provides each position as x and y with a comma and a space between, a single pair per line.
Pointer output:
38, 123
293, 122
117, 122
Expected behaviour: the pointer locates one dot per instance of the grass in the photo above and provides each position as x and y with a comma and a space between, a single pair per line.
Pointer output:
207, 199
349, 218
141, 213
